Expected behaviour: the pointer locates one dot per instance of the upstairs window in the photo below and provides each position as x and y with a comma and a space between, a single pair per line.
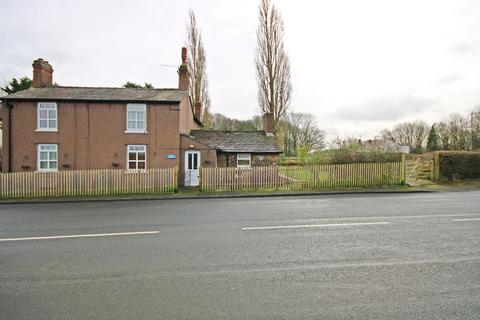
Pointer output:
244, 160
136, 118
47, 116
137, 157
47, 157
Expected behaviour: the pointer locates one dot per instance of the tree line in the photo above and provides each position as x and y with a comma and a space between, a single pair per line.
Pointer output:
455, 132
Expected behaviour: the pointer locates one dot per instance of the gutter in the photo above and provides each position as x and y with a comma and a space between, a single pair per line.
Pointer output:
90, 100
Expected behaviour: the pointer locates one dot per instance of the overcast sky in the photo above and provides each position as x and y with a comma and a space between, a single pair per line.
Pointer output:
359, 66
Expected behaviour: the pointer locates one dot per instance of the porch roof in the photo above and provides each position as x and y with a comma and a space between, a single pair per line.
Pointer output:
237, 141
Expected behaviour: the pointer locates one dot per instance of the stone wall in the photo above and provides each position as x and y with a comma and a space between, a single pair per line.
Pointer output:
258, 159
264, 159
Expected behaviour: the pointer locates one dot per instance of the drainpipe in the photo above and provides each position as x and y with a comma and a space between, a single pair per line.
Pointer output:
9, 107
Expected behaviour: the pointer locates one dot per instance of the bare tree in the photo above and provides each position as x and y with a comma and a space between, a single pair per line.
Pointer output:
222, 122
197, 68
300, 130
412, 134
454, 133
272, 64
475, 128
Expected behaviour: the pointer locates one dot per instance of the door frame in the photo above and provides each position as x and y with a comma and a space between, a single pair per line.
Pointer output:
186, 171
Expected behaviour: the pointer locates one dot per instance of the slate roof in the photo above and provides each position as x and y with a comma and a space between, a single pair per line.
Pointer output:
98, 94
237, 141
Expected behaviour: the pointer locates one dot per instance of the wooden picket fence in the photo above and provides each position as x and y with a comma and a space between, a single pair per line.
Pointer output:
307, 177
87, 182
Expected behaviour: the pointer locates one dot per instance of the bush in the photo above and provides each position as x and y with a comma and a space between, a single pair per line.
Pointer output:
459, 165
340, 156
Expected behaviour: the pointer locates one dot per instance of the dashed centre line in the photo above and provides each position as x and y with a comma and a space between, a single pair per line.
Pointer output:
92, 235
317, 225
422, 216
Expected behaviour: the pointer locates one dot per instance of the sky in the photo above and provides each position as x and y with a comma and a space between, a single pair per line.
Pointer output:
358, 66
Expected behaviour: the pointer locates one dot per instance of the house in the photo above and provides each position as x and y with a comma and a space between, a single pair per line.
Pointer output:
385, 145
50, 128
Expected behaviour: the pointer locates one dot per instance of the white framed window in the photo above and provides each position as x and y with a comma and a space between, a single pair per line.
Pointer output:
136, 157
136, 118
47, 157
244, 160
47, 116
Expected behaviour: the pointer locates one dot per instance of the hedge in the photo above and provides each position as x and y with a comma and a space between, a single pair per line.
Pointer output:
459, 165
341, 157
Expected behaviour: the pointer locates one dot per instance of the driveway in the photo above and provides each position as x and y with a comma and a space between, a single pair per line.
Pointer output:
405, 256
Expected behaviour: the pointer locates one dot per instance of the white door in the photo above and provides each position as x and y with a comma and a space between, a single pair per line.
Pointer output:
192, 168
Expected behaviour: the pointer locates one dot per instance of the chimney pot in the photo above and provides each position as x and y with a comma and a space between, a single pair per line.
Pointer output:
184, 55
183, 77
42, 73
268, 123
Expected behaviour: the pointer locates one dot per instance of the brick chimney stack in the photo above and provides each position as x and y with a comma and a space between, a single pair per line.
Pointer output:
198, 110
268, 123
42, 73
183, 77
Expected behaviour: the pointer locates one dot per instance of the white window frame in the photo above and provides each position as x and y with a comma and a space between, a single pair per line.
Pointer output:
39, 151
136, 108
244, 156
144, 146
48, 106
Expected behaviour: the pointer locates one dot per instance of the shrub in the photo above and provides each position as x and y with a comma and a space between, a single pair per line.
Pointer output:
340, 156
457, 165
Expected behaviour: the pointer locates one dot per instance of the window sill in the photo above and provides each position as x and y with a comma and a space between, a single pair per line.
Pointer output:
42, 171
46, 130
131, 131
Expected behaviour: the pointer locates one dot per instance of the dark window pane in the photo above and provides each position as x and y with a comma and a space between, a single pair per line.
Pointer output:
141, 165
132, 156
132, 165
195, 161
189, 161
141, 156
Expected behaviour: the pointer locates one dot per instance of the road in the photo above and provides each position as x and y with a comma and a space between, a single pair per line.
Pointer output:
399, 256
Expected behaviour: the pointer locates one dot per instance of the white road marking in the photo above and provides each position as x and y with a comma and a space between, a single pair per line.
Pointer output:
466, 219
398, 217
317, 225
82, 236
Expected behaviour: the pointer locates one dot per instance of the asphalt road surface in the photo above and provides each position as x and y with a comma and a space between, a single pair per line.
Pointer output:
405, 256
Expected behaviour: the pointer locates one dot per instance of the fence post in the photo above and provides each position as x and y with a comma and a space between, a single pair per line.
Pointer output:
436, 166
403, 169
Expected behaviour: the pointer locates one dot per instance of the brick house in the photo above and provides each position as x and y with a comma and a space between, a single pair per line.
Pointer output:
50, 128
